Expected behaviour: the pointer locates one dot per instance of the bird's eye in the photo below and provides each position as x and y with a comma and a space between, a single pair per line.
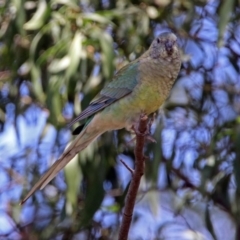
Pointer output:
158, 40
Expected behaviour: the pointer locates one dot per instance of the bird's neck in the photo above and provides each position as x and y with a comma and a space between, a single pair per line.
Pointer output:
160, 73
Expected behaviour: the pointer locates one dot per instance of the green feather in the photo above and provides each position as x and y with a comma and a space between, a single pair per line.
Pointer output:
123, 84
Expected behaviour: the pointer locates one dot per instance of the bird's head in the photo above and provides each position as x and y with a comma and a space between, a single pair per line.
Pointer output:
164, 46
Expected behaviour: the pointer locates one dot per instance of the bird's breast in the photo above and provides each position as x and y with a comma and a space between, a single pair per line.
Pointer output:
154, 85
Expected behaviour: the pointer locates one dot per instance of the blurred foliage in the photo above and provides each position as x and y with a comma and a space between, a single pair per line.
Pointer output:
56, 55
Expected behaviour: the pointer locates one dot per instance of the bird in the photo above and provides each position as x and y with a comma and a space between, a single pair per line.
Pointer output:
140, 87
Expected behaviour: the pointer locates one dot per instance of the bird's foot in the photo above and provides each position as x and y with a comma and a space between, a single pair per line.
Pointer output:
135, 130
147, 133
150, 138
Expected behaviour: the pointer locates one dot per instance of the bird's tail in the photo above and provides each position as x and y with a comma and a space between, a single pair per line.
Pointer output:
81, 142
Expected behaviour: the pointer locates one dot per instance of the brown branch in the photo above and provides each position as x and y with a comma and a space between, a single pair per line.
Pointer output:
137, 174
127, 167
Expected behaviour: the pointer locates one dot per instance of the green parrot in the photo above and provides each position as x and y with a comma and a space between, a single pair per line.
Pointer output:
140, 87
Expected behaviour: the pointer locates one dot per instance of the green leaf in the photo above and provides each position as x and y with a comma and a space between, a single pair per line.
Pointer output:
58, 65
94, 172
35, 69
95, 17
54, 100
209, 223
74, 55
107, 54
36, 83
38, 19
152, 200
16, 212
73, 176
50, 54
69, 3
20, 15
34, 45
225, 11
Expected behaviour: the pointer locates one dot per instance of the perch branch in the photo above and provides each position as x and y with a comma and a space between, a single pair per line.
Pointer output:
141, 133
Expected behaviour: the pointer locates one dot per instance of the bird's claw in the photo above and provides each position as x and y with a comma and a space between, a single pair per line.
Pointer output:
147, 133
150, 138
135, 130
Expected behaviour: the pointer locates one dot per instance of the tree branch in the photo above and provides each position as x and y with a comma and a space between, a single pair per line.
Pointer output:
137, 174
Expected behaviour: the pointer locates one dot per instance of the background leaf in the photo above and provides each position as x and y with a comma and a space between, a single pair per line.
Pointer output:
55, 56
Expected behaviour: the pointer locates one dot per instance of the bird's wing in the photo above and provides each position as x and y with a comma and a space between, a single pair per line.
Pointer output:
123, 84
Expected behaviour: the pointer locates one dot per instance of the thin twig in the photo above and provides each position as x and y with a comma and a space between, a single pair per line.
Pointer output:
138, 172
127, 167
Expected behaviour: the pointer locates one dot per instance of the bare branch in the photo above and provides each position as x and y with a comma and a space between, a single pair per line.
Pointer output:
137, 174
128, 168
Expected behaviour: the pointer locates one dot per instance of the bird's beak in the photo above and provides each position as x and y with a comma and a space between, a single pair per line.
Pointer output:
169, 47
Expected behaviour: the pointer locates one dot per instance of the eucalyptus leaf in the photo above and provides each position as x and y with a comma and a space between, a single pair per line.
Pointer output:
209, 223
107, 54
95, 17
69, 3
38, 19
74, 54
225, 12
73, 176
58, 65
36, 83
54, 100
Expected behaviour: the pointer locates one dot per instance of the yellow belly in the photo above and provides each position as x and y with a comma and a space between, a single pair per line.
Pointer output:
126, 111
